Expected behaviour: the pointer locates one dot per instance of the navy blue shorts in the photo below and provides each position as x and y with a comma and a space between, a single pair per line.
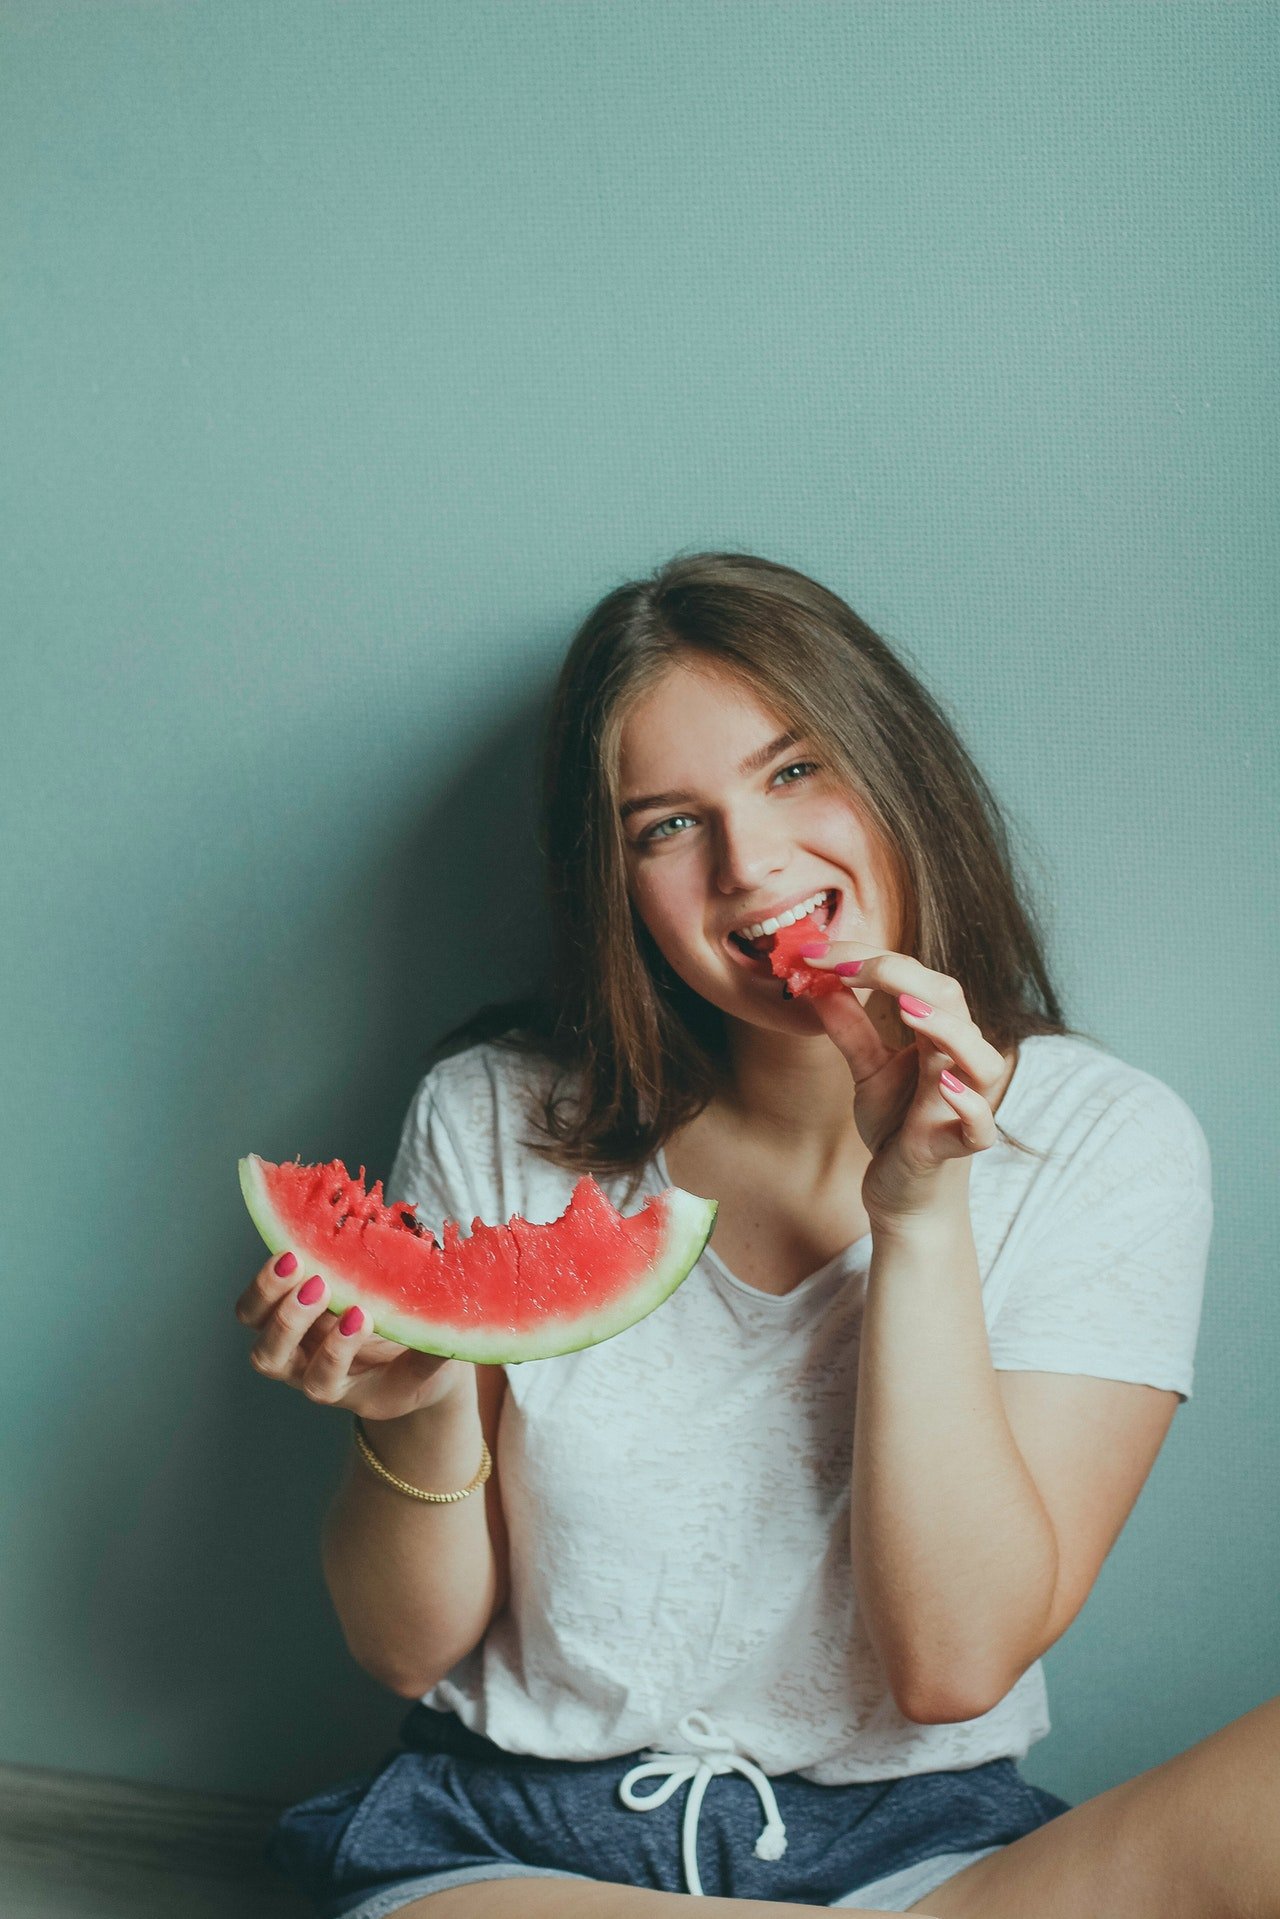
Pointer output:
450, 1807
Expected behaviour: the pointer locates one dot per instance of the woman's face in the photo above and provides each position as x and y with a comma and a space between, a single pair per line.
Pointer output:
736, 824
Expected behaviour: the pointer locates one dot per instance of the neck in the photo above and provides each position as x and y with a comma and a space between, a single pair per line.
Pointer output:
790, 1097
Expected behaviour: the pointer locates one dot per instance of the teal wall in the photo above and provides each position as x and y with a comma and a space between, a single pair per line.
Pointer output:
350, 352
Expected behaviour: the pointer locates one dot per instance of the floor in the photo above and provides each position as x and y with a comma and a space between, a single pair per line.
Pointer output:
43, 1889
68, 1888
73, 1847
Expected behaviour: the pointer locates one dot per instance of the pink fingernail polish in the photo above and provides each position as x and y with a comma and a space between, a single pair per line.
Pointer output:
918, 1008
352, 1320
848, 967
308, 1294
285, 1265
949, 1079
813, 950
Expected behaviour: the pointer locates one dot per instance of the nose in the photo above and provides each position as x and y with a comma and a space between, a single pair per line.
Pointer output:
747, 855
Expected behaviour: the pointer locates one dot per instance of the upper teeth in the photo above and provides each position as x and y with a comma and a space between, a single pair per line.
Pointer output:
789, 918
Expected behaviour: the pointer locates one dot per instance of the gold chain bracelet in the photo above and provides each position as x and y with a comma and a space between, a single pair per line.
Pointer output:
416, 1492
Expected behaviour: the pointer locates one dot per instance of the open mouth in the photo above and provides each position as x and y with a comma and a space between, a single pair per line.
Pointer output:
756, 952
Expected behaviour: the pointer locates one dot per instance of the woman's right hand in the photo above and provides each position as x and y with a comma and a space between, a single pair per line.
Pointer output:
363, 1373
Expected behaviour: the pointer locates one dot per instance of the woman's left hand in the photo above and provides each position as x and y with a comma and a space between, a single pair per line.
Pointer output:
907, 1115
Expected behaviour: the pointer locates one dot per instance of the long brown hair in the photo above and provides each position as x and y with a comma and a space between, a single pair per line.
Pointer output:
639, 1051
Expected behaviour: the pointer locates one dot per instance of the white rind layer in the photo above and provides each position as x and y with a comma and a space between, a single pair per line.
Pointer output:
689, 1223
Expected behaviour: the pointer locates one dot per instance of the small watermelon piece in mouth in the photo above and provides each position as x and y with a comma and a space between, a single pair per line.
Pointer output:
802, 980
502, 1294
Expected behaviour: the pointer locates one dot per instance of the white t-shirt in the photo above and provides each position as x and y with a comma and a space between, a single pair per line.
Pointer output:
677, 1496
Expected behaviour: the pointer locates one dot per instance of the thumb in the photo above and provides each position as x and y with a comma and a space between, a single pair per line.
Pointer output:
862, 1032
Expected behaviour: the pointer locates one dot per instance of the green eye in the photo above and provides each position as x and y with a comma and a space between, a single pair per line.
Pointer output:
653, 832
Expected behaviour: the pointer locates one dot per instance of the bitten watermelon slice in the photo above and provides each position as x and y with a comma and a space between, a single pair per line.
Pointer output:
499, 1296
802, 981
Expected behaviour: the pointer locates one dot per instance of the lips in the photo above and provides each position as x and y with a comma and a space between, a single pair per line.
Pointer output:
826, 916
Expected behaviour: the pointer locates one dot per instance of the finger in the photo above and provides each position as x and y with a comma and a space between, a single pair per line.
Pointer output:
977, 1121
371, 1346
857, 1033
892, 973
956, 1035
274, 1351
328, 1372
267, 1288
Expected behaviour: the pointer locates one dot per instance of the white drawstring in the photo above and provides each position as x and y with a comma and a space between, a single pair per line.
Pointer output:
701, 1767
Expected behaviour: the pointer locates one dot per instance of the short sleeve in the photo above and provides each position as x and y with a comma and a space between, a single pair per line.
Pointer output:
430, 1171
1110, 1281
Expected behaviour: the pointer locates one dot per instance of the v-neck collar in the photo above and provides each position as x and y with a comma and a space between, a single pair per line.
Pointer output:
811, 1280
848, 1254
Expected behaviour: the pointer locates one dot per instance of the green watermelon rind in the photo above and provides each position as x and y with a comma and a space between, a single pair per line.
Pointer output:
688, 1228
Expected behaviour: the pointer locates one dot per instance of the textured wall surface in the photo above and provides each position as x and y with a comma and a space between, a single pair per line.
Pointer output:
350, 352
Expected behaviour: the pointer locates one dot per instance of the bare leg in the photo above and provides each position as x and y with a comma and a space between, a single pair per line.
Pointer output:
1195, 1838
571, 1899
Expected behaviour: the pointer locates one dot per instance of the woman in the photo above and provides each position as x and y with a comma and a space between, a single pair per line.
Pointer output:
799, 1538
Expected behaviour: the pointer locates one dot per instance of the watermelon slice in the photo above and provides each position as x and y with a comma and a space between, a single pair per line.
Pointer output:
502, 1294
802, 980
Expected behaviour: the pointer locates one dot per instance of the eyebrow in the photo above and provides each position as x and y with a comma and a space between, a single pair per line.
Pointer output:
752, 764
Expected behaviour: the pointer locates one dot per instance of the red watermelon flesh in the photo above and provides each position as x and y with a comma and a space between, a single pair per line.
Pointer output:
802, 980
498, 1295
